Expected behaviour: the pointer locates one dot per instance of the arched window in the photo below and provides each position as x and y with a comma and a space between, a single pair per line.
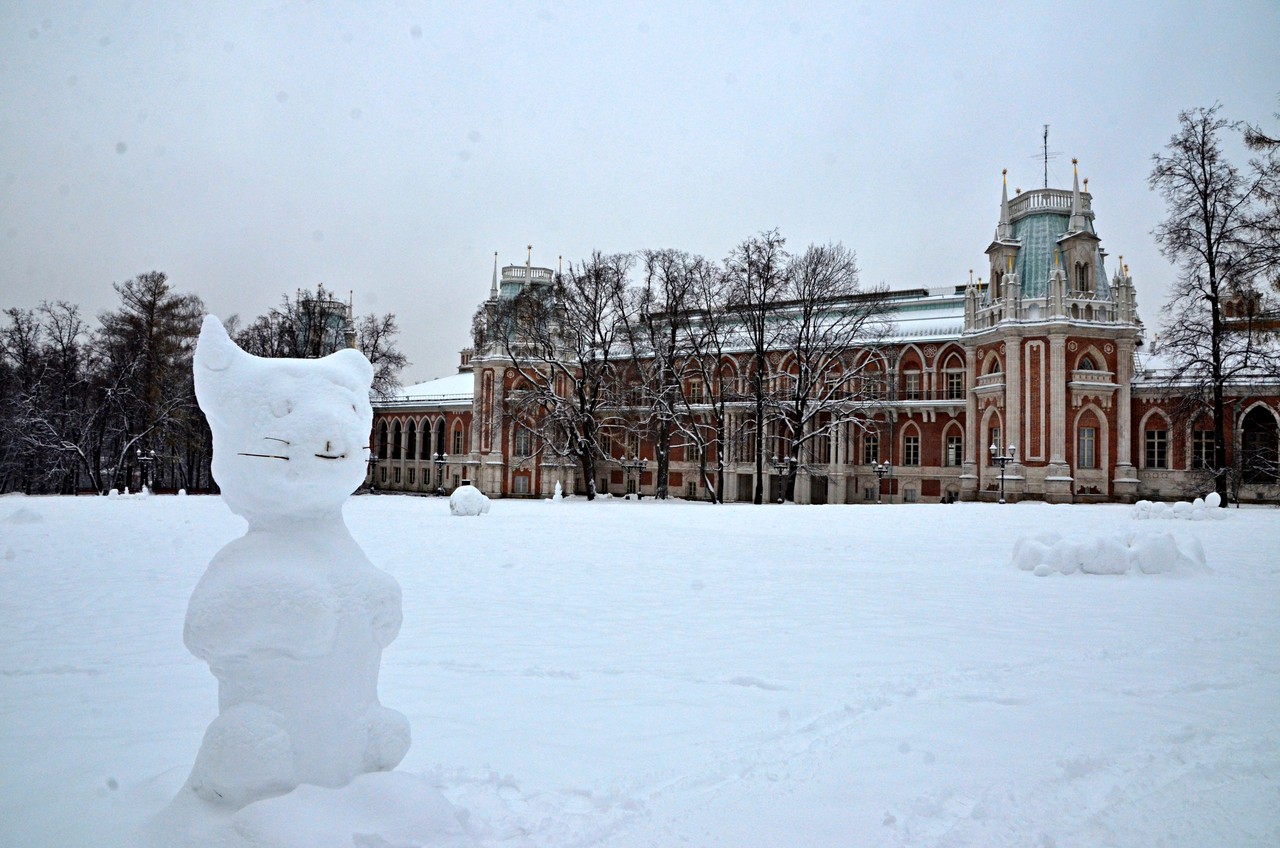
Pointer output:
910, 445
459, 447
953, 446
424, 443
1087, 364
1084, 280
382, 440
411, 440
395, 441
1260, 446
1155, 442
440, 445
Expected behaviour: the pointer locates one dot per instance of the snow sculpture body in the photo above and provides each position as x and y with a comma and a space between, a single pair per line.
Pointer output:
291, 617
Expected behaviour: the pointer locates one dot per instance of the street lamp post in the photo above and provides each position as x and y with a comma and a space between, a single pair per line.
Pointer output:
440, 460
144, 467
782, 465
631, 466
882, 470
1002, 459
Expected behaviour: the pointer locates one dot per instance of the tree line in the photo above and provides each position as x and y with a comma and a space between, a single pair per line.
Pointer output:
87, 408
654, 346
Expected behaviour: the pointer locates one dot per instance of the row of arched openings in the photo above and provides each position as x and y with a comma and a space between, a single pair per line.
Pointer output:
399, 441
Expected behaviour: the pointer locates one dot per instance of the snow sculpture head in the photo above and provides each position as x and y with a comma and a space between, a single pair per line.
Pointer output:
289, 435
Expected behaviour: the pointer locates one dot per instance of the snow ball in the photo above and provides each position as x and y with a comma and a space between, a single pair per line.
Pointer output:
1119, 553
182, 493
1213, 500
468, 500
112, 493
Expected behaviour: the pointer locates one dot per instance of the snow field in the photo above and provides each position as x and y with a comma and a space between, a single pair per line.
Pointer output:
634, 673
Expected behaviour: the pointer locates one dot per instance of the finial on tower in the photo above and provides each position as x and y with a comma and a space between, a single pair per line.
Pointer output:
1004, 230
1077, 223
493, 289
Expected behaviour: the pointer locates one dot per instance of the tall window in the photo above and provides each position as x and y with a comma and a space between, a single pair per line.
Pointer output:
870, 448
411, 475
1084, 282
911, 385
395, 442
695, 391
382, 441
955, 385
911, 450
955, 450
1202, 449
994, 440
457, 441
1087, 449
606, 444
1157, 448
411, 441
523, 443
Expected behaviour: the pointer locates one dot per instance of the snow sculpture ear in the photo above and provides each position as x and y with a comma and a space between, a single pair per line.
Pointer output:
356, 362
215, 351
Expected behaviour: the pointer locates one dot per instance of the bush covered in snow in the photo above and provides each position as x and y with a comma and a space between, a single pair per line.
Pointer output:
468, 500
1118, 553
1201, 509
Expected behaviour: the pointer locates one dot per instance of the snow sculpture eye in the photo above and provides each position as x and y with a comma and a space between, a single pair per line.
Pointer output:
280, 407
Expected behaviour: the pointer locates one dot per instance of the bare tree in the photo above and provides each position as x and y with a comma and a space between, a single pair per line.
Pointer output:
565, 342
757, 274
819, 388
376, 338
1210, 332
316, 323
652, 324
706, 328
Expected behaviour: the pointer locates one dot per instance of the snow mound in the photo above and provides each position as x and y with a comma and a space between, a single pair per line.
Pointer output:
394, 809
468, 500
559, 495
1144, 552
23, 515
1201, 509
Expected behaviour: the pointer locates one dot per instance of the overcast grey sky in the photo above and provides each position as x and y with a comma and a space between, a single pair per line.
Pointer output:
390, 148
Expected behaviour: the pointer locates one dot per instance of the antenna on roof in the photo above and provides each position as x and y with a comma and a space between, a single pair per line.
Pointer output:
1046, 154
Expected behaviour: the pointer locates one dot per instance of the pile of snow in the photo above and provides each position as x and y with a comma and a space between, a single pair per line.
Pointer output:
1201, 509
1117, 553
468, 500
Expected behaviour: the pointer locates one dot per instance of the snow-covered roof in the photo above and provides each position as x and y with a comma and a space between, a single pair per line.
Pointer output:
927, 318
455, 390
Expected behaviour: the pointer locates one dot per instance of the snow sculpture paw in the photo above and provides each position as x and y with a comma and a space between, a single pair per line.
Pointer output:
246, 755
389, 739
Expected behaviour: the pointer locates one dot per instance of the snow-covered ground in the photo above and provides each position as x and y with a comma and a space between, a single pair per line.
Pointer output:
642, 674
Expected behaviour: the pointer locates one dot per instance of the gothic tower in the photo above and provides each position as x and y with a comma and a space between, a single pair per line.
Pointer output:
1050, 343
